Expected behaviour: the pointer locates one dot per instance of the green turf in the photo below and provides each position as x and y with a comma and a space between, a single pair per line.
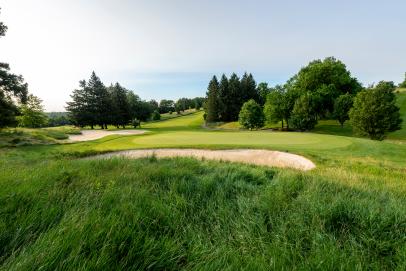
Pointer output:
61, 212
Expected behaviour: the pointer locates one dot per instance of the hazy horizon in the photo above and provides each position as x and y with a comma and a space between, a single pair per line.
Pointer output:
170, 49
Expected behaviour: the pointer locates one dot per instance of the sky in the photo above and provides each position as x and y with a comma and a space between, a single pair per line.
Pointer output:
171, 48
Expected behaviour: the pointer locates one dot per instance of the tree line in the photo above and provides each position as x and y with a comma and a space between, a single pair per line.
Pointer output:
324, 89
225, 97
95, 104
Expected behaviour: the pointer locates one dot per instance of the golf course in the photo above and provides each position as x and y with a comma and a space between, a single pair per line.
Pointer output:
61, 210
202, 135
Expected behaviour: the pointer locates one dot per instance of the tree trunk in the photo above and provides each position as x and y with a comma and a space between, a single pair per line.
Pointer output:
287, 124
91, 126
282, 124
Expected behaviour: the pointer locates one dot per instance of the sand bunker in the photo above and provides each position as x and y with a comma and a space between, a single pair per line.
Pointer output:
256, 157
96, 134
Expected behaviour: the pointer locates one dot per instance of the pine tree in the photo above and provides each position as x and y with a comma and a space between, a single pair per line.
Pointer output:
223, 98
99, 101
249, 88
79, 108
213, 101
234, 101
120, 110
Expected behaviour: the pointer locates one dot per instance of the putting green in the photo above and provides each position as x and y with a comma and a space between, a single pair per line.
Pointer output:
221, 139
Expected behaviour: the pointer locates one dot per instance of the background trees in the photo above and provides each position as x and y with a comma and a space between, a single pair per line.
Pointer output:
325, 80
251, 115
374, 112
32, 113
213, 101
342, 106
120, 108
166, 106
231, 94
304, 113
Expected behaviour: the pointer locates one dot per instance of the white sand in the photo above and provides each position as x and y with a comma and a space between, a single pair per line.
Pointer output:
256, 157
96, 134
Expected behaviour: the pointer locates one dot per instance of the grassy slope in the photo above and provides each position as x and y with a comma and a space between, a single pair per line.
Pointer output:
61, 212
24, 136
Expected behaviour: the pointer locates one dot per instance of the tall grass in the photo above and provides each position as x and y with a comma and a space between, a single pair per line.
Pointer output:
183, 214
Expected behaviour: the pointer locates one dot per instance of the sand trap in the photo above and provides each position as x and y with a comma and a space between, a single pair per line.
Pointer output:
96, 134
256, 157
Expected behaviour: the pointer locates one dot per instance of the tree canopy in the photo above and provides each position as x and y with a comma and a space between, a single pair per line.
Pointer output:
375, 112
325, 80
251, 115
32, 113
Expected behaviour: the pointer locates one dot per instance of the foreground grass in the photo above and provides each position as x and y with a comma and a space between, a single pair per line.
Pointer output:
184, 214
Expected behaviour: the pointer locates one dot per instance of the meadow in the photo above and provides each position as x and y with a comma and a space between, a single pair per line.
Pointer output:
59, 211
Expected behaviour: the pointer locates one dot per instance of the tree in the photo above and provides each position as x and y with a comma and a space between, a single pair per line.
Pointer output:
32, 113
235, 100
326, 80
273, 108
403, 84
248, 88
99, 101
303, 114
79, 110
342, 106
13, 90
140, 110
166, 105
156, 115
251, 115
263, 91
90, 103
154, 105
198, 102
375, 112
213, 101
224, 95
120, 108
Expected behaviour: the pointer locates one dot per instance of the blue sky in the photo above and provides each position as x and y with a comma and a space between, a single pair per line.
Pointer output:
170, 49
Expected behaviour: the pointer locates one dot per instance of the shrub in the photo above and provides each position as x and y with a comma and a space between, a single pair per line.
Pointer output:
251, 115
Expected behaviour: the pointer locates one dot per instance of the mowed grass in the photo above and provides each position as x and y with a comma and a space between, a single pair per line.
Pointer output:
59, 211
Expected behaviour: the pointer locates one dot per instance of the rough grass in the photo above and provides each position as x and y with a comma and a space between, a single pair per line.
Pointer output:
14, 137
181, 214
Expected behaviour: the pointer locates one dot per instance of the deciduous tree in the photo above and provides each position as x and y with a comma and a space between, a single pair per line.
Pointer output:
251, 115
374, 112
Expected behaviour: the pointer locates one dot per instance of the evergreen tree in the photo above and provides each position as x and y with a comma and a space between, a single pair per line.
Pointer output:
375, 112
99, 101
224, 96
213, 101
235, 99
120, 109
79, 110
248, 88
